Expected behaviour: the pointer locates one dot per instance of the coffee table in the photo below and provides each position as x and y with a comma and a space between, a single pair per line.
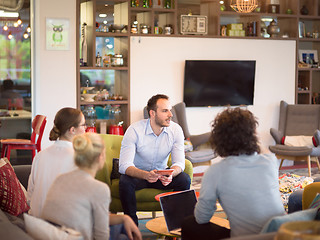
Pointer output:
158, 225
157, 197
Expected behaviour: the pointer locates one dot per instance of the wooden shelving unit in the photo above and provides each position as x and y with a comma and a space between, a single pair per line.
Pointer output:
117, 79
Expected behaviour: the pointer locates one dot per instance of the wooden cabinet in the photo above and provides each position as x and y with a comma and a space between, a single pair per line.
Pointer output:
150, 21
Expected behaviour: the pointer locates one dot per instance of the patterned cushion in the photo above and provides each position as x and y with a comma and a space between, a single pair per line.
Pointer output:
316, 202
12, 197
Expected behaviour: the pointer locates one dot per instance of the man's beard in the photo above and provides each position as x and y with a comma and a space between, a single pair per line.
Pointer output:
162, 123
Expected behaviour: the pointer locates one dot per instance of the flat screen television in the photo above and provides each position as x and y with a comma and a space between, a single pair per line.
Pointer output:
218, 83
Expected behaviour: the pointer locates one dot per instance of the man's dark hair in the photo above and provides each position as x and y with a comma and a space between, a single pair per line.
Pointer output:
234, 133
152, 103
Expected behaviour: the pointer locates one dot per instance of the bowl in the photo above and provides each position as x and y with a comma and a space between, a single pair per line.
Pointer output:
87, 88
117, 27
88, 97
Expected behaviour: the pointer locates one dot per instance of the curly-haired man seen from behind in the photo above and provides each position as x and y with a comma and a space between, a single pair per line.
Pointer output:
245, 182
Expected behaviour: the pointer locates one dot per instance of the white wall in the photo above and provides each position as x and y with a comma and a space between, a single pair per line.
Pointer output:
54, 72
157, 66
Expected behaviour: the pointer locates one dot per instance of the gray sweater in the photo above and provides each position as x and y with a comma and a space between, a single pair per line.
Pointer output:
247, 188
79, 201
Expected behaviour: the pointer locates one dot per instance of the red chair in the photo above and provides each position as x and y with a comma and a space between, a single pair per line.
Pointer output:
38, 125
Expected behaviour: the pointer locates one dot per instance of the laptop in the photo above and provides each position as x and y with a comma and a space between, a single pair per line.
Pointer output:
176, 207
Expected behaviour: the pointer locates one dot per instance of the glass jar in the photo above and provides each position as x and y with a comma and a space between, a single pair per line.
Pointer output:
90, 116
144, 29
117, 60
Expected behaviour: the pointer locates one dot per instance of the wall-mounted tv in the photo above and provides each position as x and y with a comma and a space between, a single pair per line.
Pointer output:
218, 82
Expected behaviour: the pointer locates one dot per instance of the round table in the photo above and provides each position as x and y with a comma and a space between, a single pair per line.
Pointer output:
158, 225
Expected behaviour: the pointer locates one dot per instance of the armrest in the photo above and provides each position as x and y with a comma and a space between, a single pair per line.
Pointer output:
277, 135
197, 140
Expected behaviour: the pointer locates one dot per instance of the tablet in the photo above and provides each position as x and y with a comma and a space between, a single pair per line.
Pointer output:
165, 172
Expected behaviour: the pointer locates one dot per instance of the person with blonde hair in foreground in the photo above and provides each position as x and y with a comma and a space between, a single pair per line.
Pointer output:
79, 201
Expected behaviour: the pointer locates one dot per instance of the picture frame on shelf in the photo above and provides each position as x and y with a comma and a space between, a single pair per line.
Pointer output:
302, 30
309, 57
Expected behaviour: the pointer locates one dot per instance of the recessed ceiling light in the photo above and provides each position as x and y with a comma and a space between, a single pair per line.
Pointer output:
102, 15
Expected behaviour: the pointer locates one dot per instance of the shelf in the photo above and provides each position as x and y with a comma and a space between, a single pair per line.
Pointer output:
111, 102
257, 14
308, 17
309, 39
111, 34
124, 68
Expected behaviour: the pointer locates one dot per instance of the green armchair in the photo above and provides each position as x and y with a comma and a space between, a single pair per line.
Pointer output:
145, 197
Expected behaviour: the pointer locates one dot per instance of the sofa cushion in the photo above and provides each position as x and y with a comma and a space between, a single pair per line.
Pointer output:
316, 202
9, 231
274, 223
12, 196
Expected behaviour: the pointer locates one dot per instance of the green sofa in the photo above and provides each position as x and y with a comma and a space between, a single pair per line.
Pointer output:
145, 197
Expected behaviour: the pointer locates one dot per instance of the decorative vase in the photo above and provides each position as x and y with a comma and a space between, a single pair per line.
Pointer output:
304, 10
273, 29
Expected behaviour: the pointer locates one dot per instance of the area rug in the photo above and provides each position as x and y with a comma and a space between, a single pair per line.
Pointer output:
146, 234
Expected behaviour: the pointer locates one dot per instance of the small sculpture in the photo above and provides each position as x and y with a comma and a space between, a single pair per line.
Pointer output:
304, 10
273, 29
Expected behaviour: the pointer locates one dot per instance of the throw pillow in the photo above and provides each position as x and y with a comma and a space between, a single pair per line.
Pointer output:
115, 169
274, 223
298, 141
188, 147
38, 229
316, 202
12, 197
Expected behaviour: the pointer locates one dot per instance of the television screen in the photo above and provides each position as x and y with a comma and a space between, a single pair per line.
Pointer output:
218, 83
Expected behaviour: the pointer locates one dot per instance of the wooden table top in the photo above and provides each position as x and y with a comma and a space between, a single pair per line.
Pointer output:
158, 225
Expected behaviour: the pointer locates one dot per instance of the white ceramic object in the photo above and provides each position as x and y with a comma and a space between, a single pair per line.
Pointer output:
88, 97
86, 88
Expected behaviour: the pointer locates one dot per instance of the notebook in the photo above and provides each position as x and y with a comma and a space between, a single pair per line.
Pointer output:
176, 207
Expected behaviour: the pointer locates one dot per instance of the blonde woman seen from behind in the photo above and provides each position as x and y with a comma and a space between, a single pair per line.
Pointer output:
56, 159
79, 201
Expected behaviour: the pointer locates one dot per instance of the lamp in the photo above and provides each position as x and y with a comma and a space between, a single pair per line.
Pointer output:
5, 27
244, 6
10, 36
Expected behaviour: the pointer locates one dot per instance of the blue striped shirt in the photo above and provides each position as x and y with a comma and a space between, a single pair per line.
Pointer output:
143, 149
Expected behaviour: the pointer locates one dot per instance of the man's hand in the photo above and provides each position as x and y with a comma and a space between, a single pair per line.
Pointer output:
152, 176
166, 179
131, 228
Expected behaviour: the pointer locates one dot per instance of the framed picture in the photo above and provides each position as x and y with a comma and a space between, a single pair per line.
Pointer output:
308, 56
302, 30
57, 34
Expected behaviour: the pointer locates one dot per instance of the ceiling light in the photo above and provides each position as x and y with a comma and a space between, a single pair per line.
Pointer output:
106, 5
5, 27
244, 6
10, 35
19, 21
102, 15
28, 29
25, 35
15, 24
105, 22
